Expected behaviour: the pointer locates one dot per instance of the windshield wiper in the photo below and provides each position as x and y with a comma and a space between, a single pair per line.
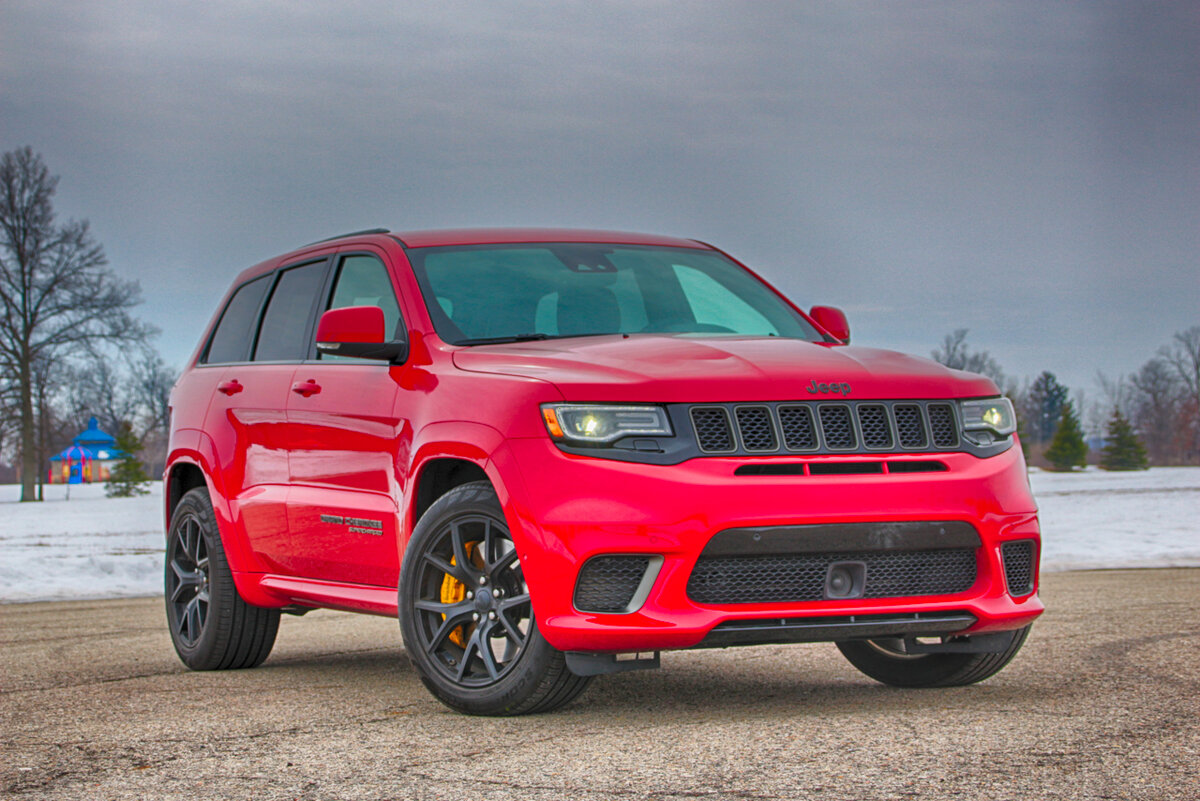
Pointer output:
499, 340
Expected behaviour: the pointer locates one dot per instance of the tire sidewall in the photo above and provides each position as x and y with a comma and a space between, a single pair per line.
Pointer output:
208, 648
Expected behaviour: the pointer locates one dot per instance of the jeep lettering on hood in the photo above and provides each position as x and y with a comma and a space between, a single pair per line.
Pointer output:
837, 389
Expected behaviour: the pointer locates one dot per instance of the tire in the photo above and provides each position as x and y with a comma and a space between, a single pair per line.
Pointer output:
882, 662
465, 613
211, 627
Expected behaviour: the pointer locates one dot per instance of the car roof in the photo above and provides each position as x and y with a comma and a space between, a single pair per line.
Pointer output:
473, 236
499, 236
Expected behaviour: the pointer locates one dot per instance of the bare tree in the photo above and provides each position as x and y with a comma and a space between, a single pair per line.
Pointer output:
57, 294
1183, 355
955, 353
1155, 410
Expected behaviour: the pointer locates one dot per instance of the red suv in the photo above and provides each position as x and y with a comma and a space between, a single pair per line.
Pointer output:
555, 453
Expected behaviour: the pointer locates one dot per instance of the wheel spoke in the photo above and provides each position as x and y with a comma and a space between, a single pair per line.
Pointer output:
485, 652
187, 581
456, 615
190, 620
460, 553
468, 652
515, 601
502, 563
510, 631
452, 570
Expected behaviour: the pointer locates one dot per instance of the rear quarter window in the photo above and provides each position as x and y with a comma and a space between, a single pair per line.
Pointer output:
231, 341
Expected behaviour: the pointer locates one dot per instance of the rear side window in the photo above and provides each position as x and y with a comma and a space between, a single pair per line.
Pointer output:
285, 323
364, 281
231, 340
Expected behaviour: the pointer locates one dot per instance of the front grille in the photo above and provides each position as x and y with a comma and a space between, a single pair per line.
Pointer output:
608, 583
910, 426
799, 434
945, 431
837, 428
713, 432
873, 420
789, 578
756, 429
825, 427
1018, 567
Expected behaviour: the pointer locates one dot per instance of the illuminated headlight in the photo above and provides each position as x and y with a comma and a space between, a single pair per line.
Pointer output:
600, 425
995, 415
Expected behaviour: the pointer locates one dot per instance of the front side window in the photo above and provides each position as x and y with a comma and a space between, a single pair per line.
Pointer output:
231, 340
364, 281
540, 291
281, 335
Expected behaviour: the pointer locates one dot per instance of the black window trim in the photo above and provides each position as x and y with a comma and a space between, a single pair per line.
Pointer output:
262, 302
326, 297
310, 326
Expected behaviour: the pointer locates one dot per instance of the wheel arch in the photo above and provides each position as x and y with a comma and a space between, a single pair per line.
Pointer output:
182, 476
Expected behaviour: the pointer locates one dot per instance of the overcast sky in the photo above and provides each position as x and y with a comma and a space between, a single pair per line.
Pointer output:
1030, 171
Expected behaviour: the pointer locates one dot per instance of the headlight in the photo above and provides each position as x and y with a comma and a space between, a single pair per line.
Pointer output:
598, 425
995, 415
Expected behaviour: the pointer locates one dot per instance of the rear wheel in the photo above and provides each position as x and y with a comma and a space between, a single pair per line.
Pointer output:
883, 660
465, 613
211, 627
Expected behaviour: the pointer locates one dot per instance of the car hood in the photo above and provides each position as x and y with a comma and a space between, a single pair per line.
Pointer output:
709, 369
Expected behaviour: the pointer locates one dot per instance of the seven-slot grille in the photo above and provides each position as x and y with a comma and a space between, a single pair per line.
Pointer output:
825, 427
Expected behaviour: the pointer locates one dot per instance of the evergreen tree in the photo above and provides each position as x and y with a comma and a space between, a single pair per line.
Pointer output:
1046, 400
128, 478
1123, 451
1067, 450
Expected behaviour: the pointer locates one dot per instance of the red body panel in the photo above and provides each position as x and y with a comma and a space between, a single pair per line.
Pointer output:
280, 465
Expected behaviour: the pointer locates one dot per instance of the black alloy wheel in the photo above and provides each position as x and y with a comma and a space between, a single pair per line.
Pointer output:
473, 611
187, 579
211, 627
466, 615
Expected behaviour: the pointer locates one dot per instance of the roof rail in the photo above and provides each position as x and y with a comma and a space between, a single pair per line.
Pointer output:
350, 233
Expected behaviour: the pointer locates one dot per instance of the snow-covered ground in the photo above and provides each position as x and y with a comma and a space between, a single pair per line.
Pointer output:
96, 547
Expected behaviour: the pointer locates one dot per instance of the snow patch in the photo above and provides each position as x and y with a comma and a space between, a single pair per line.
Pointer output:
91, 546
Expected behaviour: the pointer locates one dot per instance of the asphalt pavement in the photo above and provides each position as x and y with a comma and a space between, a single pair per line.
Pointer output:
1102, 703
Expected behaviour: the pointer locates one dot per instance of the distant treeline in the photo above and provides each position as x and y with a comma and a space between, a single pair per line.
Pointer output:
1161, 400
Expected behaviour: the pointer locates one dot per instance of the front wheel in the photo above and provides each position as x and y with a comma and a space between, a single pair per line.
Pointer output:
465, 613
882, 661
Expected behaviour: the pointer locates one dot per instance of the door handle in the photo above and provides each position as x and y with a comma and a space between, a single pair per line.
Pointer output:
306, 388
231, 387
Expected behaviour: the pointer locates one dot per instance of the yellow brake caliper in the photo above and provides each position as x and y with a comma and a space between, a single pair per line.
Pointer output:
453, 592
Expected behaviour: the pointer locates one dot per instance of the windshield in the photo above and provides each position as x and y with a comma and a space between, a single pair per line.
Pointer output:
497, 293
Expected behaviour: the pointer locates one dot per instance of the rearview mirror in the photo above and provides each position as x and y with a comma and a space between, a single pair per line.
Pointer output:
833, 320
358, 331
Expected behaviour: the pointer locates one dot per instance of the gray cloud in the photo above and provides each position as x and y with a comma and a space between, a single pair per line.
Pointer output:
1030, 172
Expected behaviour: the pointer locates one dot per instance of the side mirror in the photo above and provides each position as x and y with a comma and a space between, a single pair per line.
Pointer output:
833, 320
358, 331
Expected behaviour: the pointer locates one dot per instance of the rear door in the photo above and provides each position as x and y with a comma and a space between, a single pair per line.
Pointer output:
247, 417
343, 512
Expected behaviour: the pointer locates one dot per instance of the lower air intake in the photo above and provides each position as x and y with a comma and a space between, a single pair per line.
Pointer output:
788, 578
1018, 567
609, 583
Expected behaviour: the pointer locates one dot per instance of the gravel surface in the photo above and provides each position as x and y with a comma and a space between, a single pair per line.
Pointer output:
1102, 703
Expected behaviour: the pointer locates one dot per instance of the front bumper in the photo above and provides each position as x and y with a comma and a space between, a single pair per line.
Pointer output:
565, 509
